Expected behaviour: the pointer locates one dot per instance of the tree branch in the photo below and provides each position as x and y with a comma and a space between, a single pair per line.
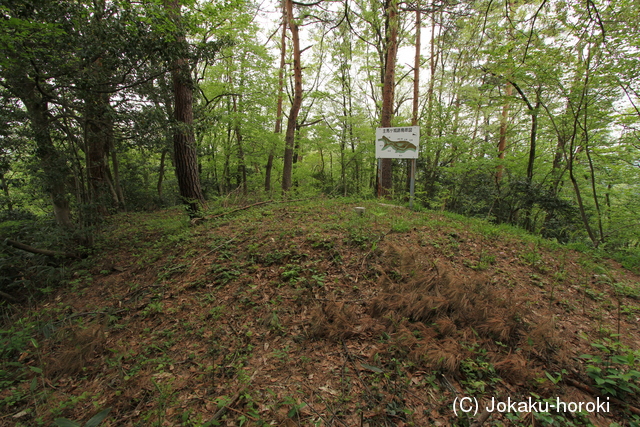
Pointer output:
33, 250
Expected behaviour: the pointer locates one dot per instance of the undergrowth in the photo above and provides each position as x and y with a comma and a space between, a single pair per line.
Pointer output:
309, 314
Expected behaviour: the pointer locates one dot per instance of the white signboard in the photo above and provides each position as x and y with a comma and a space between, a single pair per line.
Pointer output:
398, 142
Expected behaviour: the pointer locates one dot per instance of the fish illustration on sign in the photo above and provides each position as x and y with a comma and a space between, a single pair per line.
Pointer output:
399, 146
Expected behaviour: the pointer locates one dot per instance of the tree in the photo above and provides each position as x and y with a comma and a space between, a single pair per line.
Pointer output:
30, 43
281, 69
292, 120
184, 142
388, 88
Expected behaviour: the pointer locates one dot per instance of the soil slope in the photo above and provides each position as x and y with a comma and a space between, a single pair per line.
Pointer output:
306, 313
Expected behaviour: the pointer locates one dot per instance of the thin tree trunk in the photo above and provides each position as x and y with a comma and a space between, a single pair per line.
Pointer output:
98, 132
352, 140
242, 167
432, 80
297, 100
502, 142
504, 118
534, 128
116, 180
592, 174
346, 111
5, 189
570, 160
268, 169
52, 163
556, 169
226, 171
161, 173
416, 69
532, 141
416, 88
112, 187
278, 126
430, 172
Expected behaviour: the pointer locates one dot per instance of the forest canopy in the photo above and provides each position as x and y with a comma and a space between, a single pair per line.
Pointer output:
528, 110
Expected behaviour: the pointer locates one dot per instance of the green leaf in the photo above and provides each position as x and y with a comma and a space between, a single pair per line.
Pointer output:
97, 419
372, 368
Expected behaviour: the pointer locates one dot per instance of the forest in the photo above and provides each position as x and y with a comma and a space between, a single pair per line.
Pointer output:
130, 130
528, 110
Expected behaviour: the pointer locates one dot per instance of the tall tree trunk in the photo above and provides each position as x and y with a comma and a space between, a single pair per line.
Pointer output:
116, 180
98, 132
556, 168
534, 127
278, 126
345, 92
184, 142
268, 169
297, 100
570, 158
504, 118
242, 167
502, 142
532, 141
416, 89
416, 69
5, 189
585, 130
161, 173
352, 140
388, 90
52, 163
431, 167
433, 63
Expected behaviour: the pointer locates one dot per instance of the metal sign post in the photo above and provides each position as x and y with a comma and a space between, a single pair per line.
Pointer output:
412, 183
399, 143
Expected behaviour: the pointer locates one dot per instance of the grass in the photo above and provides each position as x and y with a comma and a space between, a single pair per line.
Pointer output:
309, 314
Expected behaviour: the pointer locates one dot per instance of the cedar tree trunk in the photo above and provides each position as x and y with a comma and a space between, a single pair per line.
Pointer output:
184, 141
388, 90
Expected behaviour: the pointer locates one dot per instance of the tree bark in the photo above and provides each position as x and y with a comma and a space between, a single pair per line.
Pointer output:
534, 127
33, 250
431, 166
5, 189
297, 100
52, 163
433, 64
98, 131
116, 180
278, 126
242, 167
161, 173
502, 142
267, 174
416, 89
416, 69
532, 141
184, 142
388, 90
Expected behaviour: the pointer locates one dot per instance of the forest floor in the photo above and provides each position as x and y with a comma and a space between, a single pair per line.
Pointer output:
308, 314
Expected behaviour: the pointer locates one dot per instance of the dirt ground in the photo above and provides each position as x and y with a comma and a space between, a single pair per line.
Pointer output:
306, 314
